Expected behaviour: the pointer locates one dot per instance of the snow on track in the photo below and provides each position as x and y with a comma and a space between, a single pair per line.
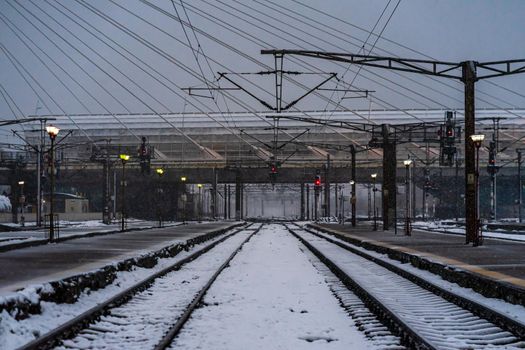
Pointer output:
15, 333
271, 297
443, 324
141, 323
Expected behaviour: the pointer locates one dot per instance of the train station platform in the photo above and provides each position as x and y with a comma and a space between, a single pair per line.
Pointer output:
494, 269
50, 262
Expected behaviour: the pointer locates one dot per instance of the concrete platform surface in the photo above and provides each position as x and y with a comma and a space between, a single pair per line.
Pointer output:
496, 259
22, 267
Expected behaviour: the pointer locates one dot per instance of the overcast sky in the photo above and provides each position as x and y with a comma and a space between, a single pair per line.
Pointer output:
90, 77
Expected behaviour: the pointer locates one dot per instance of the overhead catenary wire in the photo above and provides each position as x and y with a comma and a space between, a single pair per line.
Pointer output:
233, 49
109, 75
373, 45
509, 111
304, 64
157, 50
65, 54
393, 42
8, 23
207, 62
203, 55
9, 100
16, 63
170, 89
143, 62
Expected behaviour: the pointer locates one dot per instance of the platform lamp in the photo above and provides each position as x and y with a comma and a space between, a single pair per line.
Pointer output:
408, 228
374, 177
184, 198
52, 131
199, 186
477, 139
124, 158
353, 202
160, 173
21, 200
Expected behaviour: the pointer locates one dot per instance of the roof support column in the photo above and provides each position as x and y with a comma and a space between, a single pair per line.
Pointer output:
389, 179
471, 206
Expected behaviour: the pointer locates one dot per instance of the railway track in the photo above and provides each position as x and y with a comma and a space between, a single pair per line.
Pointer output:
424, 316
150, 313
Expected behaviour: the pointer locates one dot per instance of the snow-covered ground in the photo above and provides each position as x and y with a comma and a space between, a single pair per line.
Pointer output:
75, 228
5, 204
516, 312
271, 297
141, 323
446, 226
14, 333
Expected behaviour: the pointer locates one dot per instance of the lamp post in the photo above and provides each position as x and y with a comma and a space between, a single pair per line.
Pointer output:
477, 139
183, 180
160, 173
520, 190
199, 204
353, 200
52, 131
374, 176
408, 228
124, 158
21, 200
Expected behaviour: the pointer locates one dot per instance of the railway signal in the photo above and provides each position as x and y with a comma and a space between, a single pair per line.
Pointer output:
492, 169
448, 139
317, 181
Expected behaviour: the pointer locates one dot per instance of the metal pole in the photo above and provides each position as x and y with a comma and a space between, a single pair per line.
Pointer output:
40, 149
342, 207
369, 187
520, 192
471, 206
456, 186
477, 240
51, 193
123, 198
200, 204
214, 203
301, 216
22, 203
225, 201
375, 211
316, 202
114, 193
327, 187
354, 195
238, 196
307, 202
407, 204
336, 198
39, 187
229, 202
389, 178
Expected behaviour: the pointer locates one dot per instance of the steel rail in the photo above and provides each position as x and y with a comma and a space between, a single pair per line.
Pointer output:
409, 337
75, 325
504, 322
177, 327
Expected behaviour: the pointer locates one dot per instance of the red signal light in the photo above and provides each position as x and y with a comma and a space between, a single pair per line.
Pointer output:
317, 181
273, 169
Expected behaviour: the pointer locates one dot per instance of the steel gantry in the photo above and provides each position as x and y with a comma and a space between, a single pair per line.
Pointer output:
387, 137
466, 72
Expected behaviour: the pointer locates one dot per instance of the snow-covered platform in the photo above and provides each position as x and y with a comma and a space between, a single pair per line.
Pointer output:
32, 265
497, 264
